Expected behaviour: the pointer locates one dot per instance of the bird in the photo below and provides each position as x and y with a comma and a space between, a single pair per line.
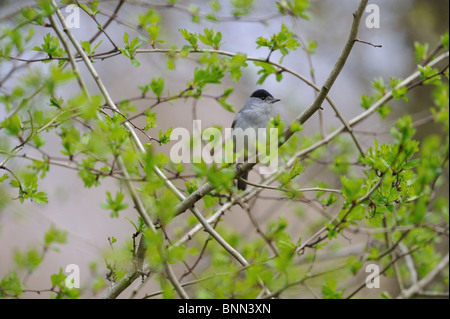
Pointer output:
254, 115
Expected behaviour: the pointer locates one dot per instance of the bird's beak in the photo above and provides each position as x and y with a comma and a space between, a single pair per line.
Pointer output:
275, 101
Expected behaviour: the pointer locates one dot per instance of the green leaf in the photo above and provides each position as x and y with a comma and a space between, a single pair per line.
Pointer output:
140, 225
86, 46
144, 89
444, 40
241, 7
354, 264
379, 86
28, 260
39, 141
70, 139
296, 7
215, 5
54, 235
164, 137
191, 186
222, 100
400, 93
32, 14
366, 101
157, 86
351, 188
130, 49
284, 41
115, 205
211, 75
40, 198
153, 31
10, 285
58, 279
296, 127
150, 17
266, 70
235, 64
150, 120
50, 46
311, 46
220, 178
135, 62
356, 213
432, 75
211, 38
194, 10
14, 183
12, 124
329, 289
4, 177
421, 51
190, 37
296, 169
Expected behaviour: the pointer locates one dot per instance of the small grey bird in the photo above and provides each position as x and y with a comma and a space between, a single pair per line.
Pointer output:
255, 114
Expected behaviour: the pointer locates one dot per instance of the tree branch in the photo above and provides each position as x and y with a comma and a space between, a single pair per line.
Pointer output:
302, 118
138, 204
421, 284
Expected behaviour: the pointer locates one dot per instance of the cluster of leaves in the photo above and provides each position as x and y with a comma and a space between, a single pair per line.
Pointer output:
130, 49
298, 8
215, 66
150, 23
11, 285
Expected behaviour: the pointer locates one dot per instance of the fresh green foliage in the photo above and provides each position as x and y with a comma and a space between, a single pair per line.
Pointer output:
115, 205
157, 86
430, 75
330, 291
28, 189
87, 47
211, 38
421, 51
92, 9
380, 89
58, 282
164, 137
296, 7
10, 285
192, 38
54, 236
241, 7
283, 41
444, 40
149, 22
50, 46
130, 49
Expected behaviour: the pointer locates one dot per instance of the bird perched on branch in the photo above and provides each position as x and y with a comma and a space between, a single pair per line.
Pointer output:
253, 116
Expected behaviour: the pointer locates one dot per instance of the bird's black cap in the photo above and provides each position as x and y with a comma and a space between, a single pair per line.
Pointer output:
262, 94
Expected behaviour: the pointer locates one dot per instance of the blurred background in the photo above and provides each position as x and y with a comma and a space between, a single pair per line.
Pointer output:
76, 209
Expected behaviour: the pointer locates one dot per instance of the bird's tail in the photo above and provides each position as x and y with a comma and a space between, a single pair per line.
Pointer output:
241, 185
